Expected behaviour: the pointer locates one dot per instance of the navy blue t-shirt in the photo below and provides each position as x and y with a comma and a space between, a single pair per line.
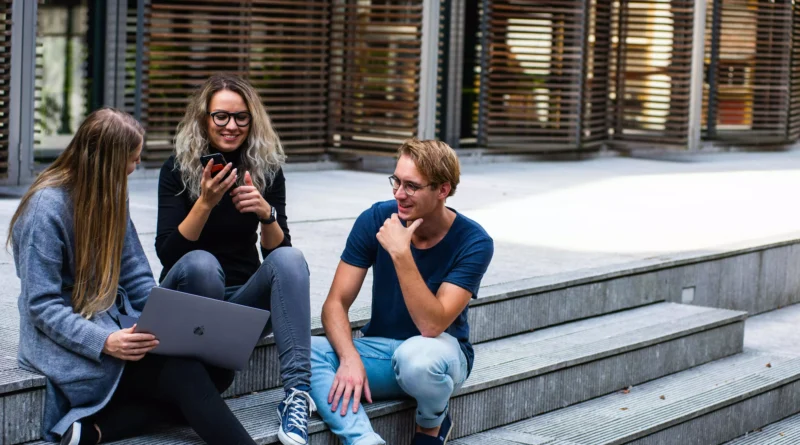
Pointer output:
460, 258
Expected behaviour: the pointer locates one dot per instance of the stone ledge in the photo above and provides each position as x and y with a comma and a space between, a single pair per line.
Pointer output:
708, 404
595, 357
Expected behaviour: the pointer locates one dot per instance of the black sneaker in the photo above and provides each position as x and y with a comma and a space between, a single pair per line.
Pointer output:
73, 435
440, 439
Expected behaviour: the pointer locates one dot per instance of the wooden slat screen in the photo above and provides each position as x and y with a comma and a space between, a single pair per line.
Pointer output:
374, 73
596, 105
278, 45
772, 68
533, 91
753, 71
794, 101
651, 71
5, 82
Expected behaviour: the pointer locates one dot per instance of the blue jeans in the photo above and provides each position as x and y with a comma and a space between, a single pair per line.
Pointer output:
426, 369
280, 285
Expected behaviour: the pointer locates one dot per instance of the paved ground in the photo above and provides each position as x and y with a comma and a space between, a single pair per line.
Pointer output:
774, 332
546, 217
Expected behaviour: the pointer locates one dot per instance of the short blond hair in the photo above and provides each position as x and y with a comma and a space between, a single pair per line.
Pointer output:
435, 160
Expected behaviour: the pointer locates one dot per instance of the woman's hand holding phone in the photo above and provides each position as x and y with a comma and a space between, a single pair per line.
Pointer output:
213, 188
126, 344
248, 199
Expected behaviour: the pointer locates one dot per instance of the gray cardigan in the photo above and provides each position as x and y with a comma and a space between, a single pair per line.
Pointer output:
53, 339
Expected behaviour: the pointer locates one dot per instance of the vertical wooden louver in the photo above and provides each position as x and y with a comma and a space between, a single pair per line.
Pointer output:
651, 71
278, 45
5, 81
533, 90
772, 68
374, 73
751, 86
793, 129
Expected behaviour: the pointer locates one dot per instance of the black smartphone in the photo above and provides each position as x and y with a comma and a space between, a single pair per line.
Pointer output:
219, 162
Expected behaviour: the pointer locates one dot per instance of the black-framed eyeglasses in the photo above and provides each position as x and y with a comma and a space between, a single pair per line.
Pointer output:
221, 118
409, 187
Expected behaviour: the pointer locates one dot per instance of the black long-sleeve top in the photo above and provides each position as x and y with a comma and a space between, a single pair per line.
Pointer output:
229, 235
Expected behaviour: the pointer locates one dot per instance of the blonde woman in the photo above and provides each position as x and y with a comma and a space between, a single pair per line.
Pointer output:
81, 266
208, 229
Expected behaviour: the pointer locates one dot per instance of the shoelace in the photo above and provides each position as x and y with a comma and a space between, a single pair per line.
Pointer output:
297, 403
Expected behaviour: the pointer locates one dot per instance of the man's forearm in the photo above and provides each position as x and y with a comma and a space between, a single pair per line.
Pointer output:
337, 328
425, 309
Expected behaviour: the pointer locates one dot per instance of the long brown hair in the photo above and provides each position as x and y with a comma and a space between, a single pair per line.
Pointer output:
93, 169
262, 154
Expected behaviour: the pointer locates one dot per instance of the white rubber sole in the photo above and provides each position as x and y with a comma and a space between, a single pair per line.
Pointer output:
75, 438
283, 437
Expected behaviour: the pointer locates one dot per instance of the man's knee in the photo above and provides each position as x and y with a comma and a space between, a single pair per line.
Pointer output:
418, 359
420, 362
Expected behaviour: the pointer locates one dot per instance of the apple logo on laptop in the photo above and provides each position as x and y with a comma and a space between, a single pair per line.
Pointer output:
200, 330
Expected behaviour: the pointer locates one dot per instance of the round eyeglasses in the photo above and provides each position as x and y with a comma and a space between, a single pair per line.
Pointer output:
409, 187
221, 118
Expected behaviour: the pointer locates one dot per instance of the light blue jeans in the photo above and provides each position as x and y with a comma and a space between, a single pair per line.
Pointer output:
426, 369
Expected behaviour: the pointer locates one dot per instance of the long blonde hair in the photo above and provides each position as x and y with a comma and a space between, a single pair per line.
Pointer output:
93, 169
263, 153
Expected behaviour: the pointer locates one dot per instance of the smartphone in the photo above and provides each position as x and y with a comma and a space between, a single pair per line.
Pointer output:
219, 162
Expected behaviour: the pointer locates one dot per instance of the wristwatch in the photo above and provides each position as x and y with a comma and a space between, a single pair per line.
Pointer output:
273, 215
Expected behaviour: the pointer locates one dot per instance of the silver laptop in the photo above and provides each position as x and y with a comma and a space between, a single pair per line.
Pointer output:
216, 332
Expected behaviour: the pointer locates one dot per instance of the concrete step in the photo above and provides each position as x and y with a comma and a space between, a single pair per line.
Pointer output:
705, 405
697, 278
785, 432
523, 306
524, 375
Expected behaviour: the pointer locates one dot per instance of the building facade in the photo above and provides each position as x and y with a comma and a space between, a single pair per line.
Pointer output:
356, 77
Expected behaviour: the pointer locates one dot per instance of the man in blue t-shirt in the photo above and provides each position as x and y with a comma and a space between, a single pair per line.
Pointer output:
427, 263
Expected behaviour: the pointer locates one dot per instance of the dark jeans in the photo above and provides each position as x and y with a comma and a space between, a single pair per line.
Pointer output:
280, 285
160, 389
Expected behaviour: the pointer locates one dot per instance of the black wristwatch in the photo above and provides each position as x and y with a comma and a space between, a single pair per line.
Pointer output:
273, 215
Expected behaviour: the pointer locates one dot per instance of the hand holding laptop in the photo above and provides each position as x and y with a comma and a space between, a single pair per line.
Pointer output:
184, 325
126, 344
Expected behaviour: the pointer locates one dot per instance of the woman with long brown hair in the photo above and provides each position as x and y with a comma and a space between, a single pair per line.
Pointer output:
208, 228
81, 266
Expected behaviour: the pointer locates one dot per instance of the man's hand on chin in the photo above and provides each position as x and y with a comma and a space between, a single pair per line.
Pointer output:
396, 238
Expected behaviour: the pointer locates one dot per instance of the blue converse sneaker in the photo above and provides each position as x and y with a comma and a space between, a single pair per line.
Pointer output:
440, 439
293, 412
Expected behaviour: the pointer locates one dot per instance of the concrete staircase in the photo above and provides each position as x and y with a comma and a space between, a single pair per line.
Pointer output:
514, 377
545, 351
527, 374
745, 395
705, 405
785, 432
